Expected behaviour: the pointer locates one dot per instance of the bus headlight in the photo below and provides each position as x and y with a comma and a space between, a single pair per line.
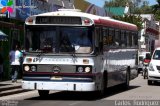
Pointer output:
33, 68
83, 69
80, 69
87, 69
26, 68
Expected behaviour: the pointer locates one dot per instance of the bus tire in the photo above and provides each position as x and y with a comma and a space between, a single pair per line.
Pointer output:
126, 84
43, 93
105, 76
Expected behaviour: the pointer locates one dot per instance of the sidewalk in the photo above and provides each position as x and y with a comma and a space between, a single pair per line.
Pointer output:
9, 82
9, 88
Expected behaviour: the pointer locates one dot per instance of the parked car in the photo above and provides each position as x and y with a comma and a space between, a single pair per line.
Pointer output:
142, 56
154, 67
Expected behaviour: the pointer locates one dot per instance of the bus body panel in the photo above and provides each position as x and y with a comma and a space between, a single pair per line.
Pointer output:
60, 86
117, 63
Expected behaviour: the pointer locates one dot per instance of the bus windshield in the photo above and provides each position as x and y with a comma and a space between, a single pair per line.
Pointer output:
54, 39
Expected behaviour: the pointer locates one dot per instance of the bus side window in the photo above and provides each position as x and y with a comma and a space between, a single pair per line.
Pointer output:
123, 41
110, 37
130, 39
135, 36
133, 40
99, 39
105, 40
127, 38
97, 34
117, 38
105, 34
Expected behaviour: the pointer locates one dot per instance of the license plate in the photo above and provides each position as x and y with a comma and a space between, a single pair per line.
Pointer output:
56, 78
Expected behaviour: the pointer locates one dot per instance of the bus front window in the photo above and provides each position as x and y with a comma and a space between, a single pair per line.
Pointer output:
53, 39
77, 39
40, 39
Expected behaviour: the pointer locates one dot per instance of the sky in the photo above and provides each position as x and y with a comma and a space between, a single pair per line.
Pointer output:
100, 3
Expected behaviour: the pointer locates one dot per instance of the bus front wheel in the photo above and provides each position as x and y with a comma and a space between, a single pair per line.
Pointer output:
43, 93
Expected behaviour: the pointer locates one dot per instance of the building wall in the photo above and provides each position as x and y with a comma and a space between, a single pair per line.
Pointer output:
149, 32
157, 42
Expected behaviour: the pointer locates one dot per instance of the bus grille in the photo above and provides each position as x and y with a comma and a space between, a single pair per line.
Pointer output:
63, 68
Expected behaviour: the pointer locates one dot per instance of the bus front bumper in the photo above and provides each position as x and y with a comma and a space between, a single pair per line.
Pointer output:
60, 86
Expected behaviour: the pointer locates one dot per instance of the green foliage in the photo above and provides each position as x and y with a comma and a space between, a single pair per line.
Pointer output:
115, 3
136, 7
157, 15
143, 10
123, 3
156, 10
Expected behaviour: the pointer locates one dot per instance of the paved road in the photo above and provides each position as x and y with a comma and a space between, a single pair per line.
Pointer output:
139, 90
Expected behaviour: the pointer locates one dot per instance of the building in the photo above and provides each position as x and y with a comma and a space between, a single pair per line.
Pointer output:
118, 11
157, 42
149, 33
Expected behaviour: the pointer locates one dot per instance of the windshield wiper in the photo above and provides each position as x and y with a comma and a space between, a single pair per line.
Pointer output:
40, 52
74, 55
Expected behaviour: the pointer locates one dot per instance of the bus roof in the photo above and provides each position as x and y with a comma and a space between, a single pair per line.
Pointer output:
97, 20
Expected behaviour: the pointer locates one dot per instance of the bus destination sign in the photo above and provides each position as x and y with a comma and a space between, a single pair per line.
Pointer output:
58, 20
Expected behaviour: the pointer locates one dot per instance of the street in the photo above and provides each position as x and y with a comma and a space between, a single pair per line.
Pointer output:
138, 90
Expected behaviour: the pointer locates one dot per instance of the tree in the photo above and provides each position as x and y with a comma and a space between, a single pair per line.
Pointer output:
136, 7
143, 9
122, 3
156, 7
156, 10
116, 3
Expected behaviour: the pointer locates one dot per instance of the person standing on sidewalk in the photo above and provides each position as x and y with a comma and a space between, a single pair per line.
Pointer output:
15, 56
22, 50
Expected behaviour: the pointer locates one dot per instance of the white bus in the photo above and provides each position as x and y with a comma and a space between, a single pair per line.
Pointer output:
56, 60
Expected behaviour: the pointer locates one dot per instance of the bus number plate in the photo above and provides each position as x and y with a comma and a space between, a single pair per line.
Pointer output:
56, 78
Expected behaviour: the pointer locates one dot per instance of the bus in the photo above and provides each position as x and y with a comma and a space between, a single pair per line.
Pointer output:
55, 60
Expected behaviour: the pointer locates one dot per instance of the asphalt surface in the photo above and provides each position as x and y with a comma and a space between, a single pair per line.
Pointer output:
138, 94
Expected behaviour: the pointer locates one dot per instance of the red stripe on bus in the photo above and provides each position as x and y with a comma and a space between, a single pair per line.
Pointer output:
115, 24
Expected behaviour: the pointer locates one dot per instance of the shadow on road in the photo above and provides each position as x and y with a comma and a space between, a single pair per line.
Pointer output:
88, 96
4, 84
